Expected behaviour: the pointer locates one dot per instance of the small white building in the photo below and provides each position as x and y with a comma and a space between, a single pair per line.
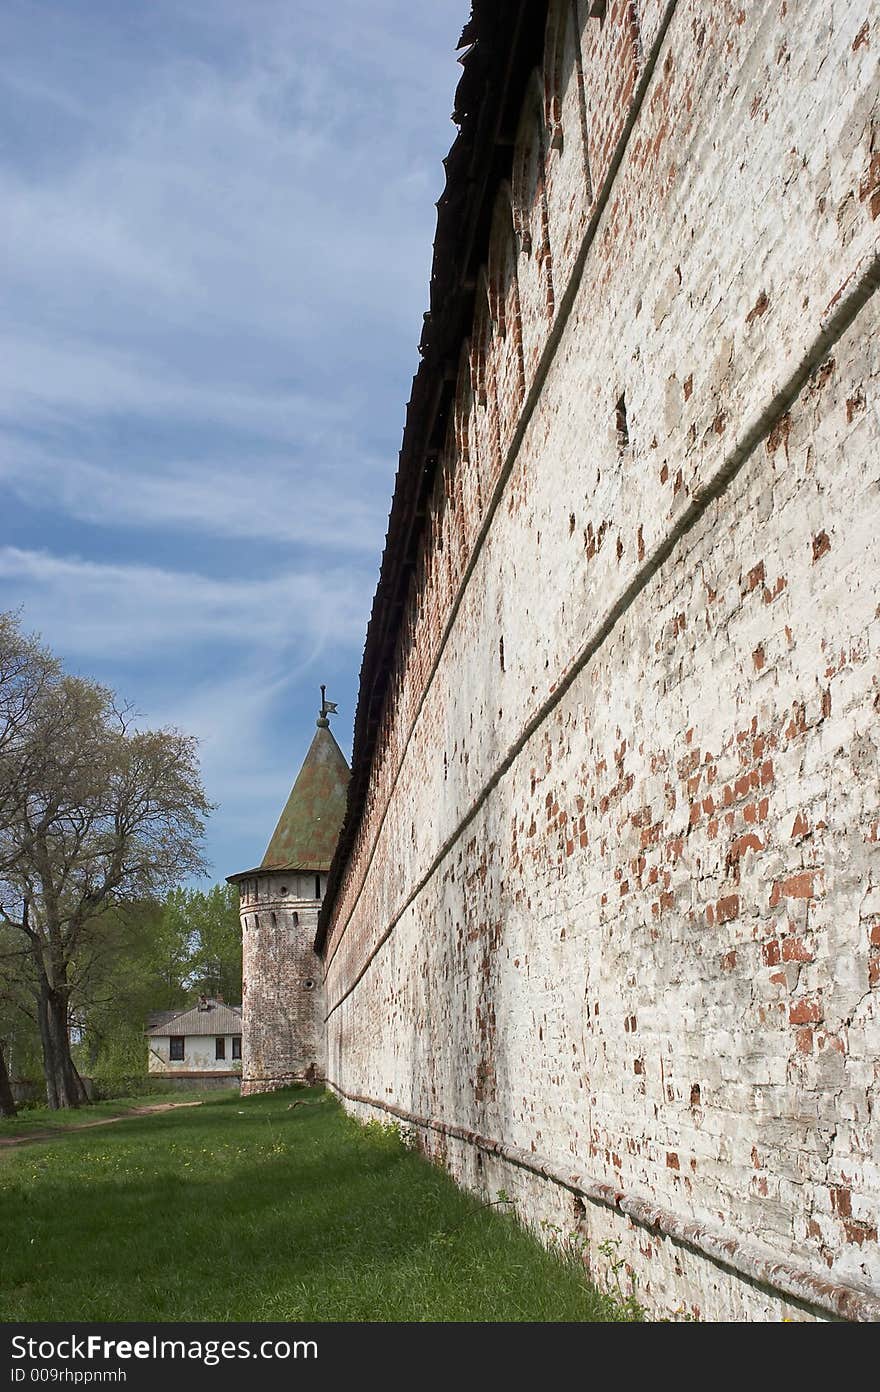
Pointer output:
202, 1041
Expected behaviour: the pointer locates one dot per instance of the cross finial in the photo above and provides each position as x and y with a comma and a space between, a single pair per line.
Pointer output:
327, 708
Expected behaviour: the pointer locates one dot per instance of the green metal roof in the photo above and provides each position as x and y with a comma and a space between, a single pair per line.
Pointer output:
308, 828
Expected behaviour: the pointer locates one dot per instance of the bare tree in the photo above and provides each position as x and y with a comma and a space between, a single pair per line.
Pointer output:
102, 814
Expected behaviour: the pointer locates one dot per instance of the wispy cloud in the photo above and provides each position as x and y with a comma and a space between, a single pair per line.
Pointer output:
214, 258
50, 379
325, 509
260, 192
248, 761
85, 607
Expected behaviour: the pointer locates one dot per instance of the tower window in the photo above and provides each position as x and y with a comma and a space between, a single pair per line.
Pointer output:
308, 984
175, 1048
219, 1047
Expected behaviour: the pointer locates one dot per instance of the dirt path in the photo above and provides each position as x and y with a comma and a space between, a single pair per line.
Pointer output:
62, 1131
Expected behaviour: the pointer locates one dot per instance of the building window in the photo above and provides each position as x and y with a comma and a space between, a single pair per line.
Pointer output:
175, 1051
236, 1046
317, 886
219, 1047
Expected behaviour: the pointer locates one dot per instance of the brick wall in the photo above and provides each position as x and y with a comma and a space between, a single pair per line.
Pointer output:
612, 912
283, 1040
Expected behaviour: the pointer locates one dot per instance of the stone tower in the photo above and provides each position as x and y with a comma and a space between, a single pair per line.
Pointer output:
282, 990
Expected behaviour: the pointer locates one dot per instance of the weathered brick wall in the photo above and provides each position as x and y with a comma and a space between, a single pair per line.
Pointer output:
283, 1039
610, 904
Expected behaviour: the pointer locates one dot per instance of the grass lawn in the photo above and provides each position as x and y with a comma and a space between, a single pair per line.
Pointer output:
246, 1209
40, 1121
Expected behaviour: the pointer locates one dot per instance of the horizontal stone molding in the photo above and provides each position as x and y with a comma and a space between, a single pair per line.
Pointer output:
330, 930
836, 320
723, 1249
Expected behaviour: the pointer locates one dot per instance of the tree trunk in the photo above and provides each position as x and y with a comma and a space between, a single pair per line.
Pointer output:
64, 1087
7, 1101
49, 1071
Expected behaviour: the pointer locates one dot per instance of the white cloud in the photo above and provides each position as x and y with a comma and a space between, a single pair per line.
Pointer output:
278, 192
272, 499
85, 607
276, 638
214, 257
50, 379
246, 768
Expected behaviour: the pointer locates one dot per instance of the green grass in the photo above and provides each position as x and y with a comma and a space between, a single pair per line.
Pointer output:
40, 1121
250, 1210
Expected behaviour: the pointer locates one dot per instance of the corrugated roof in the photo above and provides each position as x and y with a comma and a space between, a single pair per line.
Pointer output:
217, 1019
159, 1017
308, 828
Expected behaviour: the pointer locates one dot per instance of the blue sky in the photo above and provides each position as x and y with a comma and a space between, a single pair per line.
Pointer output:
214, 259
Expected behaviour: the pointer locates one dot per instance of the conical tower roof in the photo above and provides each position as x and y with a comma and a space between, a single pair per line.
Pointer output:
308, 828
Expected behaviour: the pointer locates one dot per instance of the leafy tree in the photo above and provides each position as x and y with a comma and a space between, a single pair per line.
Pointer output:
158, 956
27, 671
19, 1032
210, 922
13, 1024
7, 1101
140, 966
97, 815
